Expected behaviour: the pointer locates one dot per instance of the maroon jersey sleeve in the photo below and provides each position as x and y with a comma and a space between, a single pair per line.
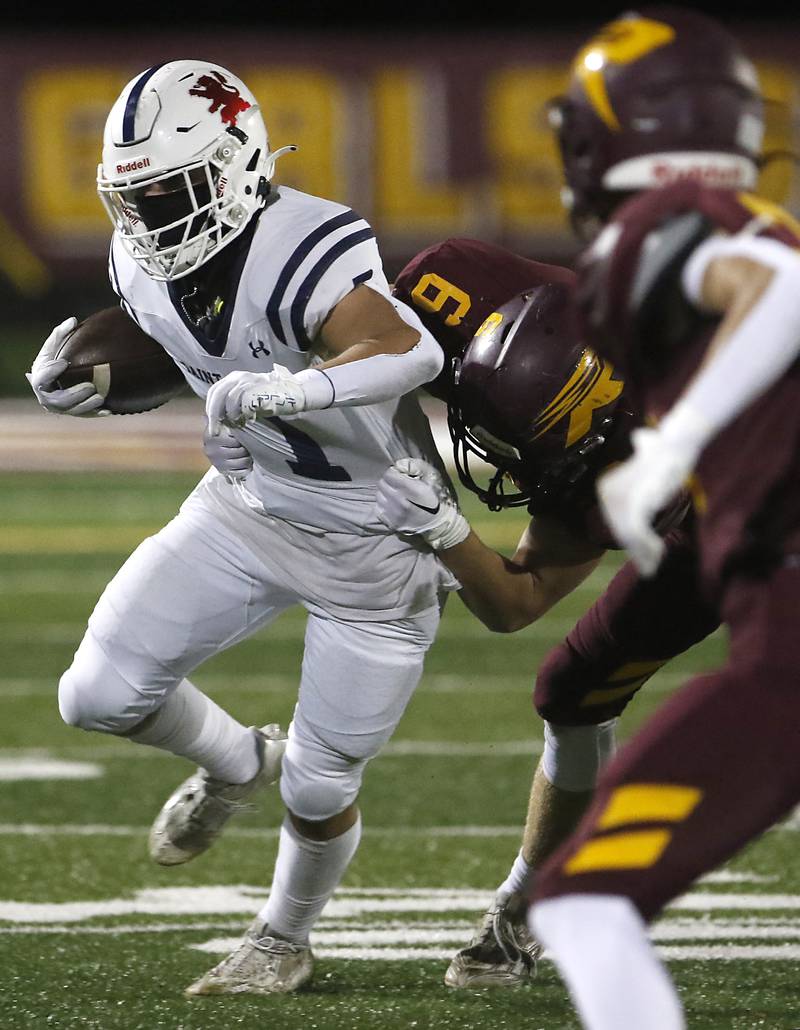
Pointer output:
455, 285
633, 311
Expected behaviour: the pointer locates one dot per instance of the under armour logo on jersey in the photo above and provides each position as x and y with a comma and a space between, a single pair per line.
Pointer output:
258, 348
224, 98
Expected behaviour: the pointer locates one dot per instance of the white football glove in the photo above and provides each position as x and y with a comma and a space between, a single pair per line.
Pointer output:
243, 396
634, 492
226, 454
413, 500
82, 399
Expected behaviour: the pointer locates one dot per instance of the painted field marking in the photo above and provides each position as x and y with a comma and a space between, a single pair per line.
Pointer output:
349, 904
288, 631
268, 833
347, 930
28, 768
394, 749
436, 683
91, 581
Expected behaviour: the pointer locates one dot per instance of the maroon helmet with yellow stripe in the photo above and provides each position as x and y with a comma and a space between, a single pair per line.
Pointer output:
531, 401
657, 95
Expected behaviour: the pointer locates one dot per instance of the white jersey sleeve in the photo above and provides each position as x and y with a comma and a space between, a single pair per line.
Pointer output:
331, 251
358, 263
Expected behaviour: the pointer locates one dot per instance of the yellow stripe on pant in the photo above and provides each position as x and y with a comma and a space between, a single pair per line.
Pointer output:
635, 848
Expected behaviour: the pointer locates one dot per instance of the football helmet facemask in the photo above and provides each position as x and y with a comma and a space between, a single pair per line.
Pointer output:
531, 402
186, 164
655, 96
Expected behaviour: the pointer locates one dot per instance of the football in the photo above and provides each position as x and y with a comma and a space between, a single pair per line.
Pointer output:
129, 368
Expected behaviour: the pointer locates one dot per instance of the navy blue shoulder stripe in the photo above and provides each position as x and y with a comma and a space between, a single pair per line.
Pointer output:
298, 257
311, 281
129, 118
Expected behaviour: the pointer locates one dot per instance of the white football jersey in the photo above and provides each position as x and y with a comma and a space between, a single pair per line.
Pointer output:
318, 468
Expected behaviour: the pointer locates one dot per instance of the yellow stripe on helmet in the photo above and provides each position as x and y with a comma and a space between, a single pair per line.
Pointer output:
621, 42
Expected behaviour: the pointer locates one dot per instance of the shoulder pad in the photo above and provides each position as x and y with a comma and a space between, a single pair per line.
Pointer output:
663, 251
629, 279
662, 315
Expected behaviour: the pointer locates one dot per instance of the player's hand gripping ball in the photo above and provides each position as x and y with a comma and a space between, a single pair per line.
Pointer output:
105, 365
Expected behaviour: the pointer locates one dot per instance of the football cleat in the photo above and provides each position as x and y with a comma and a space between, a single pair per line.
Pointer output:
501, 954
195, 814
262, 964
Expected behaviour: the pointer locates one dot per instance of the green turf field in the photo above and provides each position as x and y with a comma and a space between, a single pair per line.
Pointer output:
94, 936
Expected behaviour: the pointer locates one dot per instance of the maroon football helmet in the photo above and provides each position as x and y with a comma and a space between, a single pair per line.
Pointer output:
531, 401
657, 95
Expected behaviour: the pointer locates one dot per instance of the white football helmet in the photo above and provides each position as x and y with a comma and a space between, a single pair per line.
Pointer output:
186, 161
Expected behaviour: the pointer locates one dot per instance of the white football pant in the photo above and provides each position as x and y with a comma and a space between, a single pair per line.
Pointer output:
193, 590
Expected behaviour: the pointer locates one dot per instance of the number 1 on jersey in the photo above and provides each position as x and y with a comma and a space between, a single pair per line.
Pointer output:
311, 460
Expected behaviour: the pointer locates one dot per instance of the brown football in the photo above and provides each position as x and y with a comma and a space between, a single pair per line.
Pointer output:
127, 367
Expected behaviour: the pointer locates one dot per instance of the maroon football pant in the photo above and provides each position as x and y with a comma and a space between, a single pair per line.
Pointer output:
624, 638
717, 765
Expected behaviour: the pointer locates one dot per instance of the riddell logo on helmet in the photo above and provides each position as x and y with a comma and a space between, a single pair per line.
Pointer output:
134, 166
709, 175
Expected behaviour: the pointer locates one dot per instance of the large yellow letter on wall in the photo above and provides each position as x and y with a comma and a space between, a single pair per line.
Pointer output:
412, 193
782, 90
64, 113
527, 170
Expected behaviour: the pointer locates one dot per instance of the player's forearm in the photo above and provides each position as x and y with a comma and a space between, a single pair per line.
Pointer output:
755, 282
503, 594
374, 370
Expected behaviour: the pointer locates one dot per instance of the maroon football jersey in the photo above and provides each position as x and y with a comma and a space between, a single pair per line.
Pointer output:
633, 311
455, 285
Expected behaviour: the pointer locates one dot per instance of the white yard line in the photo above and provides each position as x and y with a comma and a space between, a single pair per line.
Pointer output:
436, 683
350, 904
347, 929
33, 757
286, 631
110, 830
27, 768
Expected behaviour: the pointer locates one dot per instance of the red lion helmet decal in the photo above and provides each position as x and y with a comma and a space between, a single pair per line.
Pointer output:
224, 97
657, 95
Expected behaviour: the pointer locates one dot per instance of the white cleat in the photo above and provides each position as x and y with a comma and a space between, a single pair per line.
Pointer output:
501, 954
260, 965
196, 813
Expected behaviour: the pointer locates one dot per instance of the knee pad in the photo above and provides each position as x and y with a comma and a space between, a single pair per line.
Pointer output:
94, 695
316, 782
574, 755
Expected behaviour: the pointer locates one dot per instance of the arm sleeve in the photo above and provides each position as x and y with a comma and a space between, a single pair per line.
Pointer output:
378, 378
759, 351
